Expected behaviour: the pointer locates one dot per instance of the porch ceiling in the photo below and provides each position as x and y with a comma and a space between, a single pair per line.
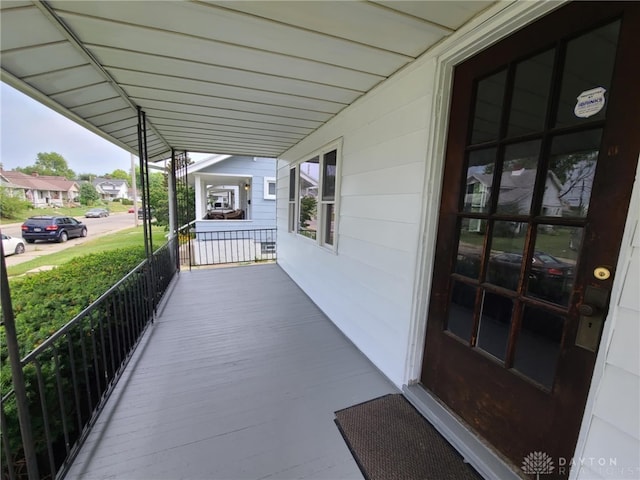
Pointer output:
243, 77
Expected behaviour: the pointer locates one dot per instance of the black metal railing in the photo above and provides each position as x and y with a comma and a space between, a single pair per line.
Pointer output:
199, 248
69, 377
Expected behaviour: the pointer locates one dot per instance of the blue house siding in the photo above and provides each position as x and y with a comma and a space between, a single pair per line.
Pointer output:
261, 212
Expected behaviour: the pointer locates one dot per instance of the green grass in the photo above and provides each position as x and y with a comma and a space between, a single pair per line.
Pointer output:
130, 237
556, 243
113, 207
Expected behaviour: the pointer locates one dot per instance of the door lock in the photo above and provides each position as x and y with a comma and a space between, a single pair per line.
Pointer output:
592, 313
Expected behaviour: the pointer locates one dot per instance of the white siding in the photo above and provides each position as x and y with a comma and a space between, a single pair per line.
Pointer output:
376, 287
366, 289
611, 425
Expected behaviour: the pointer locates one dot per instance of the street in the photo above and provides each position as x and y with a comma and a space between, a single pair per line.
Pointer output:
95, 226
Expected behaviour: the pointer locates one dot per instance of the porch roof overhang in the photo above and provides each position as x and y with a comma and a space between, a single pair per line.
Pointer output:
243, 78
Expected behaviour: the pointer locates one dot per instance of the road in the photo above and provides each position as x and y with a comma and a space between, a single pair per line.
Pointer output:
95, 226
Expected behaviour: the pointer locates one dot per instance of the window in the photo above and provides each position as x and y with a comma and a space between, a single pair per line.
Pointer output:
269, 188
313, 184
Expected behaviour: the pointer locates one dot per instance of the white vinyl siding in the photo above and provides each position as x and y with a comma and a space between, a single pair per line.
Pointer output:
611, 426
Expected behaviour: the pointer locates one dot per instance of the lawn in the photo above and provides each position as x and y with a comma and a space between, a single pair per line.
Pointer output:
555, 243
128, 238
78, 212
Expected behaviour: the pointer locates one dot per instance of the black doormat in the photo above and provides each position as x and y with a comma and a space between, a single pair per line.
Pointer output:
391, 440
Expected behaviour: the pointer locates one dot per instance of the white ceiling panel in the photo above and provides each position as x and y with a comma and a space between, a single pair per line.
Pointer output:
215, 75
42, 59
250, 77
130, 78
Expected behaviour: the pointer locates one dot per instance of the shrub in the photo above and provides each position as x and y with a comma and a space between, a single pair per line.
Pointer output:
10, 206
42, 304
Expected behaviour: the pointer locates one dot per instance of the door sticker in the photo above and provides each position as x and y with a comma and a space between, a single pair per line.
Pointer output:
590, 102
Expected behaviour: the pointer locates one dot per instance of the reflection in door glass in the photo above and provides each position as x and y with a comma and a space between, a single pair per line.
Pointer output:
572, 167
538, 345
518, 178
488, 108
530, 94
553, 267
479, 180
505, 261
495, 322
587, 75
470, 245
460, 320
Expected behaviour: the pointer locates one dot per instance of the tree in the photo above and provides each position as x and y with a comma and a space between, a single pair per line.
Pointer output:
119, 174
88, 194
49, 164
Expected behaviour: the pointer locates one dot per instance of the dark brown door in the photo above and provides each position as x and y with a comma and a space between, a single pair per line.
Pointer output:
541, 156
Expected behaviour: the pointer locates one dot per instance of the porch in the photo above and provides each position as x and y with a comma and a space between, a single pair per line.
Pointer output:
239, 377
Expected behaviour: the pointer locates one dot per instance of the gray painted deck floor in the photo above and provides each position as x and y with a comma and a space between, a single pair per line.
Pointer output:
239, 378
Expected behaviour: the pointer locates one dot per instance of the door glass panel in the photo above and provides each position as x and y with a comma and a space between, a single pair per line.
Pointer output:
488, 108
587, 75
505, 260
518, 178
530, 94
460, 319
479, 180
539, 345
572, 167
470, 244
495, 322
553, 267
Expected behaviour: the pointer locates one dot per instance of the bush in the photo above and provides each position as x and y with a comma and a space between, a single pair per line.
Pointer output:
42, 304
12, 207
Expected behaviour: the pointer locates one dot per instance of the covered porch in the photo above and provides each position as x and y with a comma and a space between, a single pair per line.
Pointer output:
239, 377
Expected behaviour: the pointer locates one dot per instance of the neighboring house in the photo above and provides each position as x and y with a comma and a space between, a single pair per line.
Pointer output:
11, 189
43, 190
110, 189
515, 195
234, 194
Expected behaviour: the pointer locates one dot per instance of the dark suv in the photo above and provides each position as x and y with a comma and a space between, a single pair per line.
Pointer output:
58, 229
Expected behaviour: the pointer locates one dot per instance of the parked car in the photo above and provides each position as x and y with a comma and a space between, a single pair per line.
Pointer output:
52, 228
11, 245
97, 213
131, 210
141, 213
549, 278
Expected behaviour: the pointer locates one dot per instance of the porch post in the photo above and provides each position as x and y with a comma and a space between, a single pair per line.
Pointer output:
16, 372
144, 182
173, 208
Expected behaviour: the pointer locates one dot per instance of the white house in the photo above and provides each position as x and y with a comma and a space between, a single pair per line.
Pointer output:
378, 114
110, 189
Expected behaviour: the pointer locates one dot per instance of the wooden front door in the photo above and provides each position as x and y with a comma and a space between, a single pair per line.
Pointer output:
541, 156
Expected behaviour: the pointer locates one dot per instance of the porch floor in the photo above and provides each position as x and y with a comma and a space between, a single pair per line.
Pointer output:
238, 378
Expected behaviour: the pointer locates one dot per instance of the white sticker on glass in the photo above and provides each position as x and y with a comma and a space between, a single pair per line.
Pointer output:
590, 102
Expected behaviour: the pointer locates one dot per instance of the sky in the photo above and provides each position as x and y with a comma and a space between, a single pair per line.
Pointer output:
27, 128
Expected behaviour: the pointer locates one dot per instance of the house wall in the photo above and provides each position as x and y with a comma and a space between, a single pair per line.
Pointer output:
609, 443
366, 289
262, 212
375, 288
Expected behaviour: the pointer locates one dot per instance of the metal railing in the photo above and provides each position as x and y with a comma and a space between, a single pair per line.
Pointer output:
69, 376
199, 248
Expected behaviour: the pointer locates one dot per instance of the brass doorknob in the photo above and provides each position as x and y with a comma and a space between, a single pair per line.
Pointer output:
588, 310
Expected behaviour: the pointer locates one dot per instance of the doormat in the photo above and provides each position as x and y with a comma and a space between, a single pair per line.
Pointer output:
390, 440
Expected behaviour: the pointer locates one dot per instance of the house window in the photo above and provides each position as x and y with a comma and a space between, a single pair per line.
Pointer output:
269, 188
292, 199
313, 187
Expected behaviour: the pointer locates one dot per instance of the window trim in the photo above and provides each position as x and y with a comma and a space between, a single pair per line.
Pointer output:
266, 182
294, 205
